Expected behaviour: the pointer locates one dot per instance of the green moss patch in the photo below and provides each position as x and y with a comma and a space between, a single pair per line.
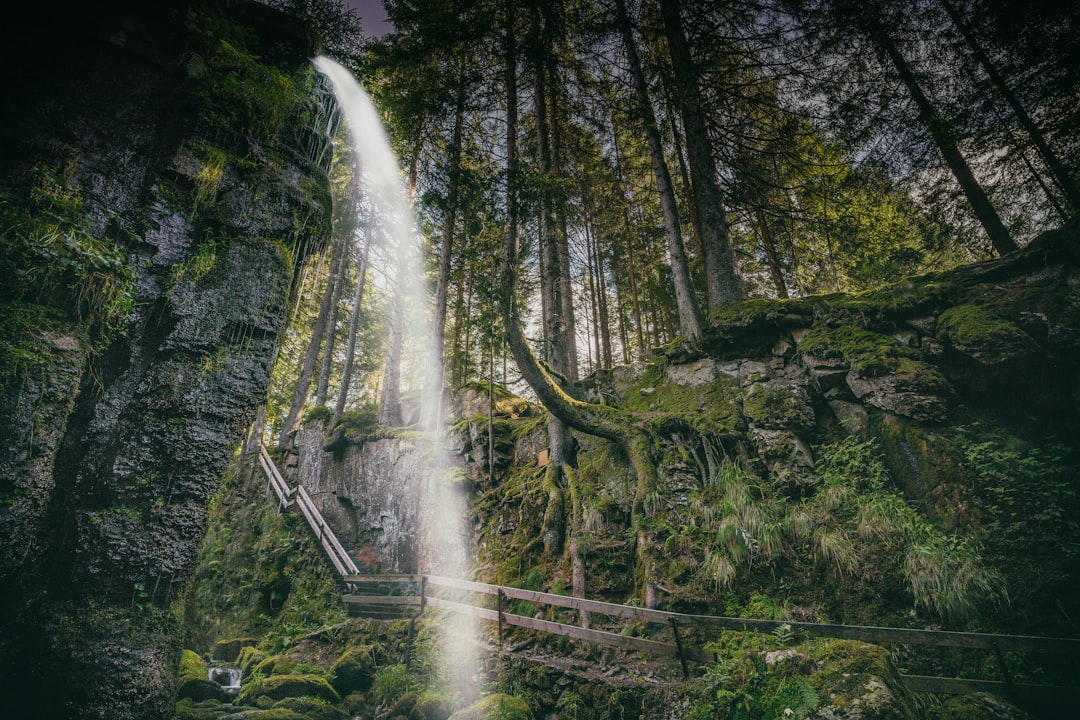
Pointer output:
279, 687
495, 707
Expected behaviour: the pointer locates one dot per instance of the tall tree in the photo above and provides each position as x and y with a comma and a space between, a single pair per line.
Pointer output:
318, 332
691, 319
1059, 172
354, 325
721, 279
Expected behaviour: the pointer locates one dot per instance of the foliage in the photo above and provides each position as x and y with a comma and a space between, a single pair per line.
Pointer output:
390, 683
56, 264
239, 95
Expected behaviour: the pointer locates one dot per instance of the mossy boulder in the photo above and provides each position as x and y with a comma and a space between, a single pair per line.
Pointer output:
227, 651
496, 707
353, 670
431, 706
983, 335
275, 665
279, 687
976, 706
275, 714
188, 709
404, 705
249, 658
311, 708
193, 680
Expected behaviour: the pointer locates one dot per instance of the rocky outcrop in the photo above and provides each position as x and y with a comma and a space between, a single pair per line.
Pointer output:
116, 449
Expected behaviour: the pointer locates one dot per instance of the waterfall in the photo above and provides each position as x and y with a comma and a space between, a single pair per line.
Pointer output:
228, 678
443, 510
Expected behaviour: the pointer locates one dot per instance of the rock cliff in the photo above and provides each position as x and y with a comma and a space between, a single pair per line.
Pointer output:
163, 171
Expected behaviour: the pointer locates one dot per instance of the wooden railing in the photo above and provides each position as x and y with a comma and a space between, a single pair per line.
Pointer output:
298, 495
418, 594
393, 593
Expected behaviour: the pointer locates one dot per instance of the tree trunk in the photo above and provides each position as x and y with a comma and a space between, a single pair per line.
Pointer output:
776, 271
721, 279
354, 324
552, 291
943, 138
1058, 170
307, 370
691, 320
634, 299
450, 219
390, 391
323, 386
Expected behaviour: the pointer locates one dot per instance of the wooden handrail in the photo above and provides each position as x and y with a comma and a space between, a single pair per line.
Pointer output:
909, 636
915, 683
286, 496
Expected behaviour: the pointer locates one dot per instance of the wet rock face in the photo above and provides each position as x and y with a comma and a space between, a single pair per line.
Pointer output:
122, 454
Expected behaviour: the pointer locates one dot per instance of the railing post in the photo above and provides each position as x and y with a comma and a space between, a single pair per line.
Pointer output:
501, 600
678, 644
1005, 675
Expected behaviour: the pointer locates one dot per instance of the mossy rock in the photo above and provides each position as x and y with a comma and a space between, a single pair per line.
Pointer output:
976, 706
275, 714
249, 658
276, 665
982, 334
193, 681
431, 706
404, 705
279, 687
353, 670
496, 707
355, 703
187, 709
311, 709
227, 651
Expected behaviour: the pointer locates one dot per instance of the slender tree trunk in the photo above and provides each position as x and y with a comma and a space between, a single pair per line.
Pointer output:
325, 369
460, 319
635, 302
691, 320
721, 279
552, 292
562, 237
776, 271
589, 275
307, 370
943, 138
390, 392
605, 317
1058, 170
450, 219
354, 324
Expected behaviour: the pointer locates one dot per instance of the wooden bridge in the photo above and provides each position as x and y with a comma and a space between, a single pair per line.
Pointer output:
398, 595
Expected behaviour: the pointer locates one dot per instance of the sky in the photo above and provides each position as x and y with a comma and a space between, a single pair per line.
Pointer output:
372, 16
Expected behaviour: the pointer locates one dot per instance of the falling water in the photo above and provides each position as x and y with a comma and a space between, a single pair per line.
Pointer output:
443, 533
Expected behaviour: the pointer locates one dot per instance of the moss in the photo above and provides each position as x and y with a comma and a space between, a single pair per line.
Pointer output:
713, 408
193, 681
353, 670
23, 345
276, 665
974, 326
188, 709
318, 413
249, 657
311, 709
278, 687
192, 665
495, 707
432, 706
975, 706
